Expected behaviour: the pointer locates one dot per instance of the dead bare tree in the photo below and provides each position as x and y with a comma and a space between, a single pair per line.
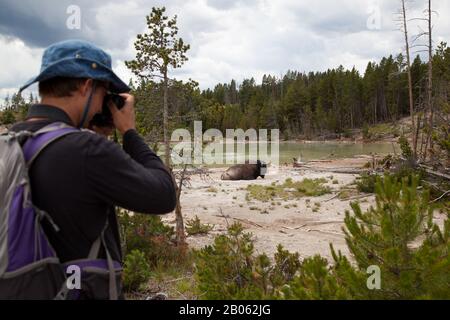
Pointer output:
430, 83
179, 230
183, 178
428, 121
404, 28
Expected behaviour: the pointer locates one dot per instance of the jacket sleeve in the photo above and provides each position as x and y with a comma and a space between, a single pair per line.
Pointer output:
133, 178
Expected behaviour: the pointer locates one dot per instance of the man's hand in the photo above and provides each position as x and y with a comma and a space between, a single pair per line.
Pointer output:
124, 119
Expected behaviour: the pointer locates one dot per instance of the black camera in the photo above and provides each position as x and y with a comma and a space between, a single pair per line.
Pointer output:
104, 119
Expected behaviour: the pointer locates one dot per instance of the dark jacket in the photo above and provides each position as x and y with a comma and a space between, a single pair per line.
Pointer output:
79, 179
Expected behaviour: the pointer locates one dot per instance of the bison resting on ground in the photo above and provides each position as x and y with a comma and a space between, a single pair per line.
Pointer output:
245, 171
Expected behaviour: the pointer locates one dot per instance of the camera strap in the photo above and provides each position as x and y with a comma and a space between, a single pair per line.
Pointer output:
87, 106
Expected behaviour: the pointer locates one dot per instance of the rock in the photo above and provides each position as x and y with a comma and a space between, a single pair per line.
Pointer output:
158, 296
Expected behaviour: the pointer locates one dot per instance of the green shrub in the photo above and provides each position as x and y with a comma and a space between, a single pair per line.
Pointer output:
194, 226
148, 234
7, 117
285, 268
384, 234
366, 183
316, 281
229, 269
347, 133
136, 271
365, 132
224, 269
407, 152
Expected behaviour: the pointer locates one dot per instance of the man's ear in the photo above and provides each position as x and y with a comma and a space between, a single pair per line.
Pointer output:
85, 87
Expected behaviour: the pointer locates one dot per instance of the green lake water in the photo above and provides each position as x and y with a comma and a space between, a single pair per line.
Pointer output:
306, 151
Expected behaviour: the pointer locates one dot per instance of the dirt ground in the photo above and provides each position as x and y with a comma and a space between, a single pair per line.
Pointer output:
300, 225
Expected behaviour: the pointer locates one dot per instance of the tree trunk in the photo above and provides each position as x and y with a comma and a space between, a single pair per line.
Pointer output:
410, 91
430, 84
416, 134
180, 232
351, 117
180, 235
375, 107
166, 120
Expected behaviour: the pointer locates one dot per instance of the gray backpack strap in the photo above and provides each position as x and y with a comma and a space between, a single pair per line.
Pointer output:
93, 254
95, 249
112, 273
52, 127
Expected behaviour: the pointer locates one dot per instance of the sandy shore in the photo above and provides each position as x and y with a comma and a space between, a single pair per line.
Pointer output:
292, 223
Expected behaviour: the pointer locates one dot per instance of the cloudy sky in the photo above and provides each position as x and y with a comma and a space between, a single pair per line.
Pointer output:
230, 39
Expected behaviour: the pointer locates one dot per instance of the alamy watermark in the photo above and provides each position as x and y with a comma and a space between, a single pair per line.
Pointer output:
73, 280
374, 280
73, 21
213, 147
374, 19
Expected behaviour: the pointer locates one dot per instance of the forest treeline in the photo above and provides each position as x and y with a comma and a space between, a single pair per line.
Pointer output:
301, 104
309, 105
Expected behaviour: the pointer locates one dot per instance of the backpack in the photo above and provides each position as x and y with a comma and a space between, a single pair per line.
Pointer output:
29, 266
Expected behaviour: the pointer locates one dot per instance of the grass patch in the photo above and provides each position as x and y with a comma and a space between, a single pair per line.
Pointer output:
176, 281
384, 129
288, 190
212, 189
316, 207
345, 193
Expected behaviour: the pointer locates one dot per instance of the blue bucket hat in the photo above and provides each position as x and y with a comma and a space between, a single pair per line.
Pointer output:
78, 59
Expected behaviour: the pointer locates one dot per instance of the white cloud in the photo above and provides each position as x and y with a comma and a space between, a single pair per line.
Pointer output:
241, 39
19, 64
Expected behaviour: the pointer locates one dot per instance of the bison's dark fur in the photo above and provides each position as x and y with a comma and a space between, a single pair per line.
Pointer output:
245, 171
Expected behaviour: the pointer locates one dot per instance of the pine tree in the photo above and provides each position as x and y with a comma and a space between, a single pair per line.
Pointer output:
398, 235
157, 51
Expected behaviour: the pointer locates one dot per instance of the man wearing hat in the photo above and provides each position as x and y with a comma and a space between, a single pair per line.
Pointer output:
79, 178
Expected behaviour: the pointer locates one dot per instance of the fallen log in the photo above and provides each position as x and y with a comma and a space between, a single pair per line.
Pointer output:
336, 170
326, 232
241, 220
358, 197
294, 228
439, 198
333, 197
435, 173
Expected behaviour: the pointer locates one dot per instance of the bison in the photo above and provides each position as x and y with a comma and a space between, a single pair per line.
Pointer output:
245, 171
